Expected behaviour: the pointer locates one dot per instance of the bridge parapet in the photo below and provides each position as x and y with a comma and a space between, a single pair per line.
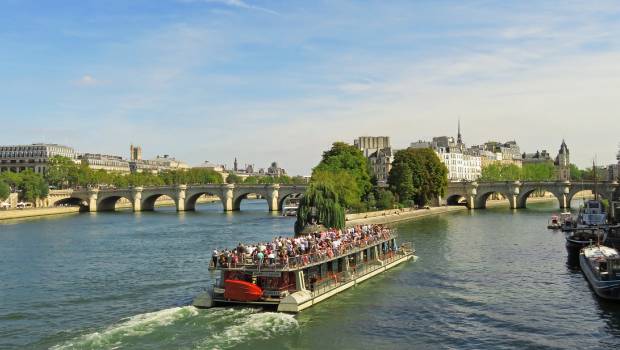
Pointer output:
517, 192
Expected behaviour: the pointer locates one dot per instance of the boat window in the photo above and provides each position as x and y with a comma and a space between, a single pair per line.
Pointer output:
335, 266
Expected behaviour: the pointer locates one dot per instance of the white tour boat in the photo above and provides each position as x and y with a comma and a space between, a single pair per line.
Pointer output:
294, 273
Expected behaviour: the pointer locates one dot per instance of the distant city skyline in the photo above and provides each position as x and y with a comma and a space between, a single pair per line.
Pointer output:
265, 80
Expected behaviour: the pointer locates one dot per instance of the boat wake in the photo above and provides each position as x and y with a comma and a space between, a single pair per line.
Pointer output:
256, 325
187, 328
134, 326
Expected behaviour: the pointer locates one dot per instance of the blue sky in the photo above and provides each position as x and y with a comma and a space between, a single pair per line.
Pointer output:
281, 80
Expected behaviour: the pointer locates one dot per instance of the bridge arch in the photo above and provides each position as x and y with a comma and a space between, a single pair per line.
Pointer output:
286, 196
147, 202
108, 203
242, 194
72, 202
575, 193
456, 199
480, 201
192, 199
527, 192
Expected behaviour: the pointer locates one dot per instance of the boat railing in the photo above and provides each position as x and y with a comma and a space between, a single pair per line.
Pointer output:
334, 280
295, 262
407, 247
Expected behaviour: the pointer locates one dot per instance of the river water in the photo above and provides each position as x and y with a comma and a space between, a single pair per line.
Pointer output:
491, 278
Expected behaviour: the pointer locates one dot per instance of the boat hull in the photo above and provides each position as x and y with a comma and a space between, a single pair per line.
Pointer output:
302, 300
604, 289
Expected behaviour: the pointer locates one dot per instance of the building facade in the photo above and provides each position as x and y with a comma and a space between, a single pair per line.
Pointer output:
463, 164
275, 170
160, 163
105, 162
372, 142
34, 157
135, 153
380, 163
378, 152
538, 157
562, 163
494, 152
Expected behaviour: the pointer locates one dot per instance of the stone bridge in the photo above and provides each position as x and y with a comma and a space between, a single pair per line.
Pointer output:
475, 194
184, 196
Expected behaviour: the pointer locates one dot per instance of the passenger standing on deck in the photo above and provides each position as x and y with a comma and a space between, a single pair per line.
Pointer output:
215, 255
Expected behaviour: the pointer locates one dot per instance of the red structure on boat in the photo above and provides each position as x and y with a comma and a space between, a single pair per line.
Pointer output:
241, 290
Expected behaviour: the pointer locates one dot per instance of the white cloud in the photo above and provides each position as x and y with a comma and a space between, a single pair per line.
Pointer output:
87, 80
239, 4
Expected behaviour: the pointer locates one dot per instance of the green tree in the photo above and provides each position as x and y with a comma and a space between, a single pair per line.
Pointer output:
33, 186
575, 173
400, 180
538, 172
324, 199
11, 179
384, 199
418, 175
61, 172
343, 156
299, 180
501, 172
234, 179
251, 180
343, 183
5, 190
588, 174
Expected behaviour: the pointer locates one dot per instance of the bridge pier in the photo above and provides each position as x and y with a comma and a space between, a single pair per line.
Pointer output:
92, 200
227, 197
273, 197
137, 199
180, 197
513, 194
564, 203
512, 200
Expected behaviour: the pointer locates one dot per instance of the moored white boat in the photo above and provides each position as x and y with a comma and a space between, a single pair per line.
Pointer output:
554, 223
601, 266
590, 226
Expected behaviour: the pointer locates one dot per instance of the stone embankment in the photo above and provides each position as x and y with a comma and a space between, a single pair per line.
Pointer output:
35, 212
396, 215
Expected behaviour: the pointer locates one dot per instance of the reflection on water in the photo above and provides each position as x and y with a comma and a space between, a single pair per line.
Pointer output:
492, 278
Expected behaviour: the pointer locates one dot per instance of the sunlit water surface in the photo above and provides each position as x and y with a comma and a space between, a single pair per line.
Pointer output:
486, 279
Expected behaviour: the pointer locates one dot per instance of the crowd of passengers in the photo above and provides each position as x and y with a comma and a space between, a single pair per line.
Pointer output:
301, 250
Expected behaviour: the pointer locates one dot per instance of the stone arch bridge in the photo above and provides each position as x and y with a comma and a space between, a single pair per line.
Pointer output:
475, 194
184, 196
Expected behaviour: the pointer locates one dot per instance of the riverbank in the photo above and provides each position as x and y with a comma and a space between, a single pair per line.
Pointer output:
396, 215
36, 212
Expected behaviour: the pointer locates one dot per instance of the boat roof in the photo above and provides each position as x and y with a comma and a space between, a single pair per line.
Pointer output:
600, 252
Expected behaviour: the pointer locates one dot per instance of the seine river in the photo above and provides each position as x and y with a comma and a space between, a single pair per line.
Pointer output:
485, 279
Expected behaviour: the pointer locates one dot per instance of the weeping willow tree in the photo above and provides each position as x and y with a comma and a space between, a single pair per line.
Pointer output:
319, 205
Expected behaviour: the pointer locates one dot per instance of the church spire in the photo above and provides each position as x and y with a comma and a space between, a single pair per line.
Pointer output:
459, 139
